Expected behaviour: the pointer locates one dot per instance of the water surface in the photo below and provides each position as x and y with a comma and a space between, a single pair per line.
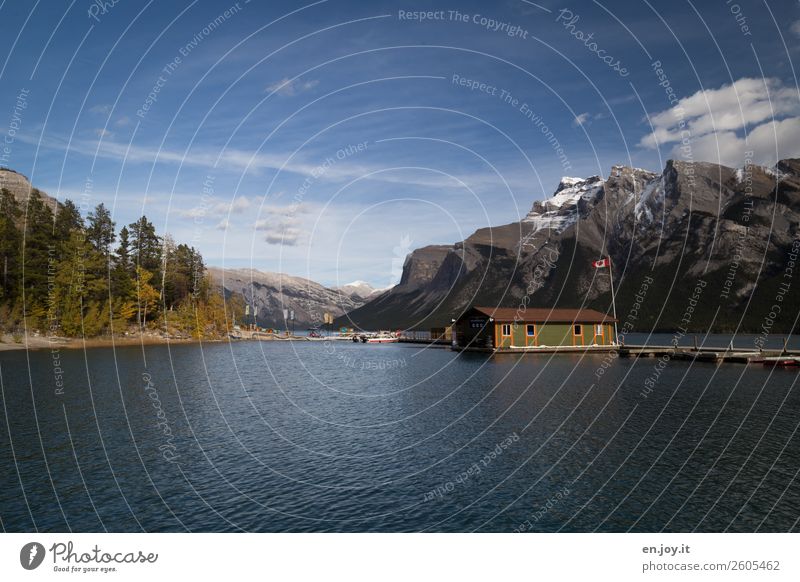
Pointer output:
314, 436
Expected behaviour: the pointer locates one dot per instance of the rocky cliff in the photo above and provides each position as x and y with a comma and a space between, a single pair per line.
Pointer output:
717, 242
21, 188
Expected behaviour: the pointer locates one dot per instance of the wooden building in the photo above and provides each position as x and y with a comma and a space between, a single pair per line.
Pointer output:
510, 329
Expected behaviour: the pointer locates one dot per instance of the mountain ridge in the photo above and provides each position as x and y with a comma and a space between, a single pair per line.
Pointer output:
271, 293
684, 224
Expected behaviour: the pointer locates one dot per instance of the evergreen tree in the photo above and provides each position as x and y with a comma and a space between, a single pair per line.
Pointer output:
100, 230
65, 266
68, 219
38, 251
10, 244
122, 272
146, 247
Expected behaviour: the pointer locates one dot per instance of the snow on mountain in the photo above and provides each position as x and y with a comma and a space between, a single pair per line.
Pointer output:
358, 288
561, 211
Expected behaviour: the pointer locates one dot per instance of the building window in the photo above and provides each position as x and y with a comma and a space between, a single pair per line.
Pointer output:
578, 329
530, 330
598, 329
506, 330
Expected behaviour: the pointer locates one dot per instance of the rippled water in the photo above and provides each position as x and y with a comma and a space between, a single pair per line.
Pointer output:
342, 437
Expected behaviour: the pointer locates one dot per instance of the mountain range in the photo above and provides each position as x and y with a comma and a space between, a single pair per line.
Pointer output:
271, 293
695, 247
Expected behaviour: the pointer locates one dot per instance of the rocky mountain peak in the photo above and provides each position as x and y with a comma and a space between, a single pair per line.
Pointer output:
692, 220
21, 188
562, 209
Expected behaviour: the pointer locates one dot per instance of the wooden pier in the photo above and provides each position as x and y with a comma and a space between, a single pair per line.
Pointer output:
713, 355
776, 357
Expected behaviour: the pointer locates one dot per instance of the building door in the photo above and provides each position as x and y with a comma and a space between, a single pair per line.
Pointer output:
599, 334
530, 335
577, 334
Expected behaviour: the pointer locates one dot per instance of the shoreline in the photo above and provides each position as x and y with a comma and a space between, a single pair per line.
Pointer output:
42, 342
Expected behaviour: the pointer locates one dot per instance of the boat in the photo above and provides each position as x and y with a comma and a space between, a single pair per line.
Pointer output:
782, 362
383, 338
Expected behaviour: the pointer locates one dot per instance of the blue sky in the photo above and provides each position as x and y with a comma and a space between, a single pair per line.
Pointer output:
328, 139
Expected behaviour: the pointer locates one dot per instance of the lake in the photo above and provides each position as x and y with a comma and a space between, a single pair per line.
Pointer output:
336, 436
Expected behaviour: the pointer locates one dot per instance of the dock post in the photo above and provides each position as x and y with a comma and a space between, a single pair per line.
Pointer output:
785, 345
695, 344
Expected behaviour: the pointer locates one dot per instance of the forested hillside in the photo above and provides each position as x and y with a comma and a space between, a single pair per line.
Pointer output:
63, 274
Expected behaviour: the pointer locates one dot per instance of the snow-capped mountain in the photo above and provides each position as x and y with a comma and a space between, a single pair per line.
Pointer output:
563, 209
733, 229
360, 289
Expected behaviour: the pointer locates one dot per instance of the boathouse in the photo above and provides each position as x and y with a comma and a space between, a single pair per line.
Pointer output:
512, 329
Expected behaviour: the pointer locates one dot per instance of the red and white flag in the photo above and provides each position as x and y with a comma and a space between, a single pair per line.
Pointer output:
602, 263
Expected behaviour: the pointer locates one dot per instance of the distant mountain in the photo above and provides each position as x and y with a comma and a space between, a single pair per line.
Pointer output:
21, 188
271, 293
734, 230
359, 289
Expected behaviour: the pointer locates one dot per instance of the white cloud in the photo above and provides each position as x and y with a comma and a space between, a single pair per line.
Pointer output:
288, 87
580, 119
223, 224
715, 120
770, 142
100, 109
287, 210
281, 227
795, 28
103, 133
239, 205
282, 232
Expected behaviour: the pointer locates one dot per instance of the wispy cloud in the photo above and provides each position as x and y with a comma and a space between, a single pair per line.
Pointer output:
795, 28
241, 160
580, 119
289, 87
101, 109
238, 206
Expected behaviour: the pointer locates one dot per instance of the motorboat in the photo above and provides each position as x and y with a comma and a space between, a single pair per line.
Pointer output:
383, 338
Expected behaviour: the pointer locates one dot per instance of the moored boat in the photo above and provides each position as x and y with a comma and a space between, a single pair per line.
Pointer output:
383, 338
782, 362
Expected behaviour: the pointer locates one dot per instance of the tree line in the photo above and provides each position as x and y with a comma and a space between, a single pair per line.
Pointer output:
63, 274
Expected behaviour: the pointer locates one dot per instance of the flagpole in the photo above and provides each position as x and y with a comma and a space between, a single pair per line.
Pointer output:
613, 299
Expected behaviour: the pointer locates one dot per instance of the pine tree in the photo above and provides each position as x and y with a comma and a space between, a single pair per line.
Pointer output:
68, 219
100, 229
38, 251
146, 246
123, 271
10, 244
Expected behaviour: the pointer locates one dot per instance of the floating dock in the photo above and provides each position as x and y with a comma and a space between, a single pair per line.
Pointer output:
768, 357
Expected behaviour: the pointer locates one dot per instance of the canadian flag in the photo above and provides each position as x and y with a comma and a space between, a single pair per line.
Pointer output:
602, 263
